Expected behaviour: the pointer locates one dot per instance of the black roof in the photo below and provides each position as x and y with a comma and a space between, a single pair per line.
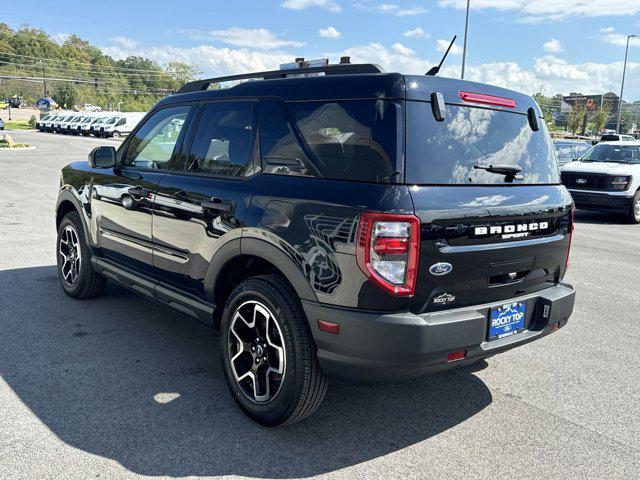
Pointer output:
345, 85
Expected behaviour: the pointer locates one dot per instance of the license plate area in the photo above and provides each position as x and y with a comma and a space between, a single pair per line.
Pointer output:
506, 320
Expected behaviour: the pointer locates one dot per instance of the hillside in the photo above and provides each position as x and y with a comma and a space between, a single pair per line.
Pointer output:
75, 71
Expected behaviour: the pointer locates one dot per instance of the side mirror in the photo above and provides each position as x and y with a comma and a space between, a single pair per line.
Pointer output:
102, 157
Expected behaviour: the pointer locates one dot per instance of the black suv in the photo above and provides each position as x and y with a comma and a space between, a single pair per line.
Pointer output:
330, 221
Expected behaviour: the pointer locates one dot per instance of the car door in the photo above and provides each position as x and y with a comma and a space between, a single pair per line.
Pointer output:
122, 196
202, 206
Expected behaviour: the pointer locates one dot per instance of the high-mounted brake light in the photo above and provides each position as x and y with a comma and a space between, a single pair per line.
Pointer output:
387, 251
571, 228
487, 99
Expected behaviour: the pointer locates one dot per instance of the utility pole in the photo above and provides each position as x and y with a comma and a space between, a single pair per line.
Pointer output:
464, 48
44, 79
624, 71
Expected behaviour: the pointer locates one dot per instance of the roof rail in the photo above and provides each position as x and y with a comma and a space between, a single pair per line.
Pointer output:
340, 69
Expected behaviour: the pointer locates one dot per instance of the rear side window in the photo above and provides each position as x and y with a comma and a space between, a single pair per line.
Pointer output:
347, 140
223, 142
446, 152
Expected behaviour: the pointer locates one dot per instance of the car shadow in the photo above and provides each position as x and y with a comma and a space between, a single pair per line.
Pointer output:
599, 217
128, 380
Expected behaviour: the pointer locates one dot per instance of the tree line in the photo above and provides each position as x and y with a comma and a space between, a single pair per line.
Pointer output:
74, 71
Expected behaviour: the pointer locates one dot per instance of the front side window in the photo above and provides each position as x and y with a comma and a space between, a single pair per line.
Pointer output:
152, 146
223, 142
448, 152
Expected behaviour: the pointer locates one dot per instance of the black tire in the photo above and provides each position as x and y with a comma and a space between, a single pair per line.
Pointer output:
633, 215
115, 134
303, 385
86, 283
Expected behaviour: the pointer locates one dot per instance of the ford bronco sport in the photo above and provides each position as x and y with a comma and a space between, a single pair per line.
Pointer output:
330, 221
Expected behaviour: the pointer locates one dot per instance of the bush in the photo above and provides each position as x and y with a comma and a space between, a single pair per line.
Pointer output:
32, 121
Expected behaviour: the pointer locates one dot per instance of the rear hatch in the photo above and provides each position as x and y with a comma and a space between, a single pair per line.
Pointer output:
485, 237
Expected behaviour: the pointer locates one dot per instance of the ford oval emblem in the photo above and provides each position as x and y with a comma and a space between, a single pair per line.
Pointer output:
581, 181
441, 268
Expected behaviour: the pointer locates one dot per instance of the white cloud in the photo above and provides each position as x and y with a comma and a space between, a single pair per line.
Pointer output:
391, 9
330, 5
124, 42
329, 32
442, 45
260, 38
551, 73
533, 11
416, 33
609, 35
552, 46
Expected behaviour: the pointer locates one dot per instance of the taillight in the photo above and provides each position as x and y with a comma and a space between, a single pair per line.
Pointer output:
566, 264
487, 99
387, 251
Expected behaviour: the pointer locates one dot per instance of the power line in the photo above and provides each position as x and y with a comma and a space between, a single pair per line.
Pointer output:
93, 65
83, 71
133, 91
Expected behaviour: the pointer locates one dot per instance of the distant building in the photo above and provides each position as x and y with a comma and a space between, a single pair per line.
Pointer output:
593, 103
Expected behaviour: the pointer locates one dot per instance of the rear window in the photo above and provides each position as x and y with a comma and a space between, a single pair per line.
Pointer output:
609, 138
446, 152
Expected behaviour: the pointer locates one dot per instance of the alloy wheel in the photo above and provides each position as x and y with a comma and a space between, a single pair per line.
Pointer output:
256, 352
69, 251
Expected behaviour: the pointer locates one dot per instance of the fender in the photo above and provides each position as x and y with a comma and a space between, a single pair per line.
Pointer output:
261, 249
67, 193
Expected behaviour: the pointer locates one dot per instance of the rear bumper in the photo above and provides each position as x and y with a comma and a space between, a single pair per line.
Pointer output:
371, 347
601, 200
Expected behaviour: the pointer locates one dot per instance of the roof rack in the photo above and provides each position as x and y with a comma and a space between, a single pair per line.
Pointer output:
340, 69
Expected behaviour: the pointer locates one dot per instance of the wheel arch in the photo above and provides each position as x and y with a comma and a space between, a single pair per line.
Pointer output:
243, 258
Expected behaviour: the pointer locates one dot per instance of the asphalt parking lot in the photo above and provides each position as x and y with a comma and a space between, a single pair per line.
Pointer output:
118, 387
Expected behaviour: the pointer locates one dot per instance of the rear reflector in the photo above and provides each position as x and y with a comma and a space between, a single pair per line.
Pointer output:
461, 355
487, 99
329, 327
554, 327
571, 228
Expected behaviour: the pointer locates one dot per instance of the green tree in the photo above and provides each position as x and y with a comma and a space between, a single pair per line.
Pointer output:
182, 72
65, 94
546, 104
601, 117
576, 117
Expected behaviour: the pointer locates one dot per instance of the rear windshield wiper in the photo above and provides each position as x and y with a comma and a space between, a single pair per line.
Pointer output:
510, 172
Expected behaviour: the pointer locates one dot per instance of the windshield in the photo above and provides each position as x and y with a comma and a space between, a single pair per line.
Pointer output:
447, 152
613, 153
112, 120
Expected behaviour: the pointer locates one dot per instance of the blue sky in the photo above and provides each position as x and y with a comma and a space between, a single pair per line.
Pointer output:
559, 45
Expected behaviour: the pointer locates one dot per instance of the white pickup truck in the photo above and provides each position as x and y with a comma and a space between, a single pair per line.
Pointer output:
607, 177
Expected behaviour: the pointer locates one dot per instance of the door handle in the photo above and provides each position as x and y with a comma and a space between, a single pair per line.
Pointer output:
217, 204
138, 191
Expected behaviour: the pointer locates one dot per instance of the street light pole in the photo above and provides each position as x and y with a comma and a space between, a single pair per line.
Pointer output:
464, 48
624, 71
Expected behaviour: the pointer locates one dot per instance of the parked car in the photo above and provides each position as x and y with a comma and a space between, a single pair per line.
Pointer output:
616, 137
87, 107
607, 178
73, 127
120, 125
359, 224
40, 123
570, 150
94, 127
